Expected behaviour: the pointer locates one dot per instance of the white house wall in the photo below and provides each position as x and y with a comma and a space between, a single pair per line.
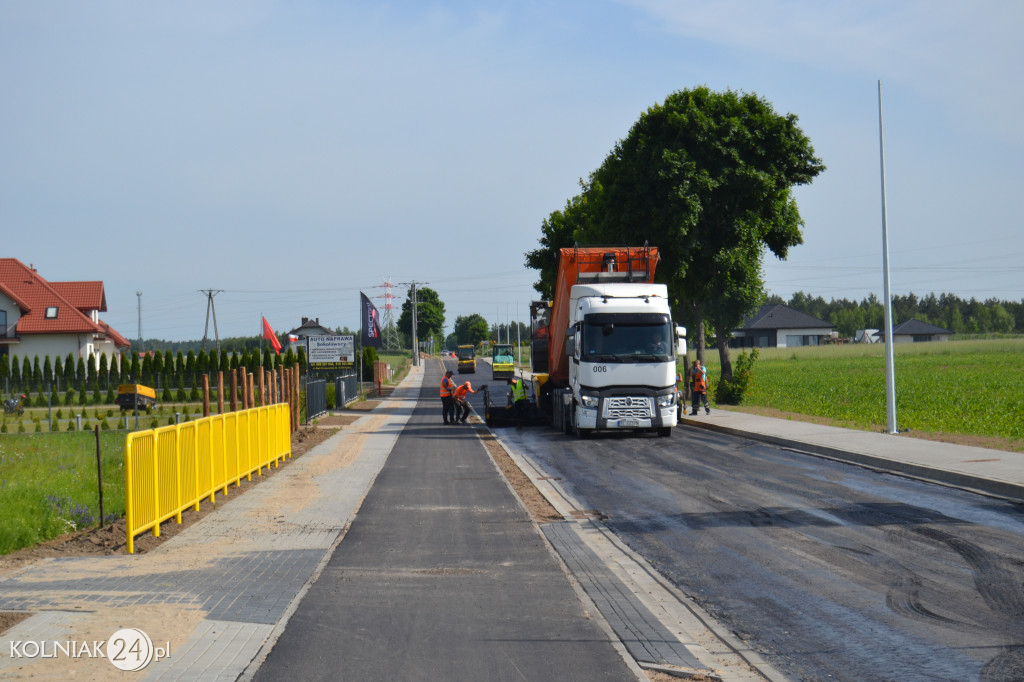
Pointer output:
909, 338
783, 333
13, 313
59, 345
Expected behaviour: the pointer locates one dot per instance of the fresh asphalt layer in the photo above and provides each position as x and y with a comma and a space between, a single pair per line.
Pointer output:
396, 551
442, 576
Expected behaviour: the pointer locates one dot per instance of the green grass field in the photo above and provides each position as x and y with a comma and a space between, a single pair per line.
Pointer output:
48, 485
958, 387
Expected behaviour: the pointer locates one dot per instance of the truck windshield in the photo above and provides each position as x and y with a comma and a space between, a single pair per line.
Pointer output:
627, 338
466, 354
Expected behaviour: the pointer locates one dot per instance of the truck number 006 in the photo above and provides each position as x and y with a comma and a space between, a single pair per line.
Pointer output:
600, 368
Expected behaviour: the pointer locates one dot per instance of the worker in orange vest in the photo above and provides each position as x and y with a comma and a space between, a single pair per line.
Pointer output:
699, 382
448, 398
461, 402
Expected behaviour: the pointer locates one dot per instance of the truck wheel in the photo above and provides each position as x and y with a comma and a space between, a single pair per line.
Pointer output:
665, 432
582, 434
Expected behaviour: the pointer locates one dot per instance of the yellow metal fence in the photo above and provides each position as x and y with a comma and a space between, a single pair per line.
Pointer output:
170, 469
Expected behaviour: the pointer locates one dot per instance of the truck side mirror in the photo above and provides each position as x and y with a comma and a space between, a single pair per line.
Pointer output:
570, 346
681, 341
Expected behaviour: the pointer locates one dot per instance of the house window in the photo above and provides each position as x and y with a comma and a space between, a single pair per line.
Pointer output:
51, 313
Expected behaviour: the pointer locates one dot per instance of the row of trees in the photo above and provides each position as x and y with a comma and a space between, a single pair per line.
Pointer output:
945, 310
21, 374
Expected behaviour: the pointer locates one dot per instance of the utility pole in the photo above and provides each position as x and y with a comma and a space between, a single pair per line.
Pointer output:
210, 293
413, 311
415, 339
890, 370
139, 294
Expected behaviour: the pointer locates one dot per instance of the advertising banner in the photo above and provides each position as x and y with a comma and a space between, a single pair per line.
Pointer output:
330, 352
370, 322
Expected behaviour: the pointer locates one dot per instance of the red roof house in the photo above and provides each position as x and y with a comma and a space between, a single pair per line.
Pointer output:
38, 317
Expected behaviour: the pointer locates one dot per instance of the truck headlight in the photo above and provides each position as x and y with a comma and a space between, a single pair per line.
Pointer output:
589, 400
667, 400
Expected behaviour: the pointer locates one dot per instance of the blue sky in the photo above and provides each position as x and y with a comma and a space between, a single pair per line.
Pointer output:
292, 154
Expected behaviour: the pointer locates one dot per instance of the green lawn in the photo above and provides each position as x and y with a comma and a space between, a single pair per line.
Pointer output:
48, 484
961, 387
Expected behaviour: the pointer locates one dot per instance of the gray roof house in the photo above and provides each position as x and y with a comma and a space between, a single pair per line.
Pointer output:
916, 331
310, 327
777, 326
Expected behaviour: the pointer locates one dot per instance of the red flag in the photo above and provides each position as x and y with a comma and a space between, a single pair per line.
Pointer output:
268, 334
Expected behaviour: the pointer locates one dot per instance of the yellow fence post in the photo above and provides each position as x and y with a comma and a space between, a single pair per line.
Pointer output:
129, 496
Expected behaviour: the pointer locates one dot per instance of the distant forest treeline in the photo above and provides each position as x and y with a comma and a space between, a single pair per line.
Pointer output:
232, 345
949, 311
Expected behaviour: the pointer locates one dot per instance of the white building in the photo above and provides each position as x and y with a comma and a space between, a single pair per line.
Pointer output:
40, 318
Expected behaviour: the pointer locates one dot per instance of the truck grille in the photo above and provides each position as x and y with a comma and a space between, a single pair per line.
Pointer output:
626, 407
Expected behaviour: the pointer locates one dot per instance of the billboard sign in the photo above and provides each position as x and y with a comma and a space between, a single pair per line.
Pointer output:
330, 352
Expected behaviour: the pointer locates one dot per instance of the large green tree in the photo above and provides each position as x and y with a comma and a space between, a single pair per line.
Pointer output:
707, 177
429, 314
560, 230
471, 329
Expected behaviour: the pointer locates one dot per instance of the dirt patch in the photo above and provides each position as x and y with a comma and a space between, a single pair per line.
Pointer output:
336, 420
110, 539
9, 620
990, 442
540, 509
362, 406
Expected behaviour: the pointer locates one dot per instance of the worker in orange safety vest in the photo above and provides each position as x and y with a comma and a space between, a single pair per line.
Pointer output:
461, 403
699, 383
448, 398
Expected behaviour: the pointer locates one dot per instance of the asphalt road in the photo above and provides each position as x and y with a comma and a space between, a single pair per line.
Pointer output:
830, 571
442, 576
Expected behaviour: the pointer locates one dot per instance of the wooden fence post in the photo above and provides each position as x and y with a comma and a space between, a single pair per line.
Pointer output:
298, 393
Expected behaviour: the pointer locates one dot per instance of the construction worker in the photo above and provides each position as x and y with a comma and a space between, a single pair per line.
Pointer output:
699, 382
448, 398
461, 402
519, 399
518, 391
